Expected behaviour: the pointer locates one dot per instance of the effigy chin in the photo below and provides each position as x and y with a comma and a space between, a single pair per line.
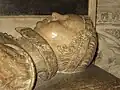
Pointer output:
55, 54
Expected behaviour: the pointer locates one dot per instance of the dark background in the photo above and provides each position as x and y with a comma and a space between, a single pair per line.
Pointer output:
37, 7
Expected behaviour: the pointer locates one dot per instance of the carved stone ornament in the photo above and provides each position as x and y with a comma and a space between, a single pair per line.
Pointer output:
108, 29
44, 58
17, 71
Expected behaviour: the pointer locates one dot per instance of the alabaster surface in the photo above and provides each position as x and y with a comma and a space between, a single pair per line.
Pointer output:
107, 31
71, 50
17, 70
39, 49
108, 54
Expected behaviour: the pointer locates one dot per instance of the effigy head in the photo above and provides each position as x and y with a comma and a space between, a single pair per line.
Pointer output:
73, 39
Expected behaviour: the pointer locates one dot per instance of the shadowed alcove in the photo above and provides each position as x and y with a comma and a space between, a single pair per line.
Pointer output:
39, 7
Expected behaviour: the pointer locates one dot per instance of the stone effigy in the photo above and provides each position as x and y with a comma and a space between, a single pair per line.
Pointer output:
60, 49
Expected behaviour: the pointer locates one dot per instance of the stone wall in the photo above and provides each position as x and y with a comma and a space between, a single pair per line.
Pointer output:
108, 28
